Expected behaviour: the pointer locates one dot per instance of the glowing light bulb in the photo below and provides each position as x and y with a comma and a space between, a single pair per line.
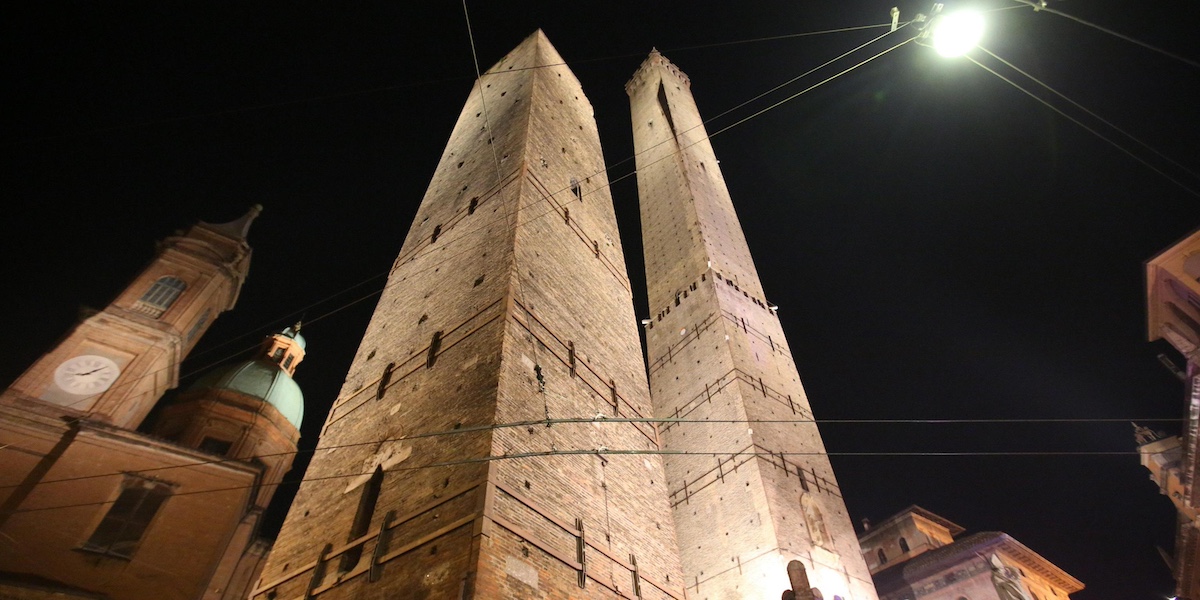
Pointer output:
954, 34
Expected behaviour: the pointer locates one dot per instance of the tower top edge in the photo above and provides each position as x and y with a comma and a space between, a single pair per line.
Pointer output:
656, 61
544, 54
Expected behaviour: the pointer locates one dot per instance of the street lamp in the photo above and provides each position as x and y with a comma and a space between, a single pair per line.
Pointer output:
956, 33
950, 35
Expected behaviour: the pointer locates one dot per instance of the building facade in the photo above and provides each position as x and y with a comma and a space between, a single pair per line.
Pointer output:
1173, 314
913, 556
472, 451
718, 358
92, 507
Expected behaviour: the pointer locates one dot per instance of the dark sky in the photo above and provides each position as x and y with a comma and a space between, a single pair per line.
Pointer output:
941, 245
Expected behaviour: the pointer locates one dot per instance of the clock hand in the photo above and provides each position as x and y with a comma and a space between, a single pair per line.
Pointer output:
89, 372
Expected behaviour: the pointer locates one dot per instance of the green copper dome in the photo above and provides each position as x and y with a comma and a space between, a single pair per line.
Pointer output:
262, 379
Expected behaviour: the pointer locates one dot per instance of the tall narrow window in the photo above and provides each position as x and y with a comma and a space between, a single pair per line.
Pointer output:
576, 189
123, 528
362, 518
903, 545
882, 557
434, 345
437, 231
384, 380
161, 295
665, 106
472, 206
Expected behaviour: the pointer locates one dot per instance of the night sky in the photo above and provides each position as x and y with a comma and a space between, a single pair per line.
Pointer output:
940, 245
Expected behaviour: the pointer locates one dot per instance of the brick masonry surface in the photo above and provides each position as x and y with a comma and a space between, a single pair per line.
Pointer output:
717, 356
512, 271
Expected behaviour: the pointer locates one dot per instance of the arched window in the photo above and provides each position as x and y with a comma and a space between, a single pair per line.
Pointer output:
882, 556
903, 545
161, 295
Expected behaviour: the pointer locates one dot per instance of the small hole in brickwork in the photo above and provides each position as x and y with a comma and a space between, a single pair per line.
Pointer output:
419, 321
371, 355
525, 551
460, 163
527, 486
306, 513
457, 425
471, 207
477, 114
446, 482
503, 93
433, 550
271, 595
478, 281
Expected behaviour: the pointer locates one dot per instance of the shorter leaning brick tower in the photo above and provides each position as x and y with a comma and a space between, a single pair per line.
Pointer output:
717, 353
508, 304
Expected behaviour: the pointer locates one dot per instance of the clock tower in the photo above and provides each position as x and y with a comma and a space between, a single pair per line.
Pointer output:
116, 363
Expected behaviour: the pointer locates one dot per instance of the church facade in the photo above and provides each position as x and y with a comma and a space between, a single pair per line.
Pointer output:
99, 503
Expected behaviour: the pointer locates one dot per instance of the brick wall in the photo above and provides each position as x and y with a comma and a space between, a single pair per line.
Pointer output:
515, 259
717, 354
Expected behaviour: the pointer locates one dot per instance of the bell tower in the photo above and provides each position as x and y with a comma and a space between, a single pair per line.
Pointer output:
116, 363
753, 490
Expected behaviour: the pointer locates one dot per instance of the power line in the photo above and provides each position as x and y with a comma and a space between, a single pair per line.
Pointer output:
1090, 113
393, 87
615, 452
648, 420
1122, 36
516, 210
1181, 185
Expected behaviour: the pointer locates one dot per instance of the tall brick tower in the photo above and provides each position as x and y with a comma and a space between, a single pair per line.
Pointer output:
508, 304
716, 352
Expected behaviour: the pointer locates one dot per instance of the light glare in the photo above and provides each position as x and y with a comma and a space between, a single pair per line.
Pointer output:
955, 34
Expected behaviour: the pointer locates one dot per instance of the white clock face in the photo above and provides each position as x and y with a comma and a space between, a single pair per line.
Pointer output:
87, 374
